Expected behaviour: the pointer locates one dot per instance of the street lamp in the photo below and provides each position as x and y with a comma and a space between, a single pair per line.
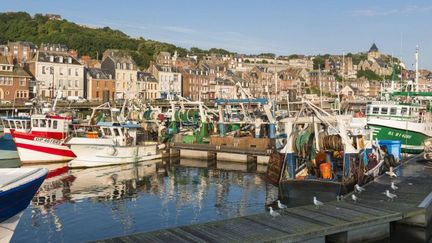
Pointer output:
51, 88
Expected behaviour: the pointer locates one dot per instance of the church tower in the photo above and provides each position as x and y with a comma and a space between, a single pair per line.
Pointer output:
373, 52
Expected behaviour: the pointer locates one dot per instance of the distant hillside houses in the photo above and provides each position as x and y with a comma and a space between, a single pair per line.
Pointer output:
375, 63
27, 70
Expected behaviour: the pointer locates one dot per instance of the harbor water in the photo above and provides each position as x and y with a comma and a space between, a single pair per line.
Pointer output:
96, 203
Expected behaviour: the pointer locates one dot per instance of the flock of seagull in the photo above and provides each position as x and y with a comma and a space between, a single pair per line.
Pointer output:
357, 189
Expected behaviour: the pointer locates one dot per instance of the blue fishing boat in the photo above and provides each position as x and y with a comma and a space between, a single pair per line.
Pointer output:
17, 188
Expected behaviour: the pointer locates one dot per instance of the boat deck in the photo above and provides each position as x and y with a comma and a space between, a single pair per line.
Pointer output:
340, 221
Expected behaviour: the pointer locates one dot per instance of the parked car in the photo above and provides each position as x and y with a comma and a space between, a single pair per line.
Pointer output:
77, 99
5, 102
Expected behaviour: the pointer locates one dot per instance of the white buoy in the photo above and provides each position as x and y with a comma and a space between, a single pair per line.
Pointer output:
358, 188
273, 213
280, 205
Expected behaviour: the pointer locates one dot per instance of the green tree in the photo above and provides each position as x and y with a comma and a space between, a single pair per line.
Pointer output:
368, 74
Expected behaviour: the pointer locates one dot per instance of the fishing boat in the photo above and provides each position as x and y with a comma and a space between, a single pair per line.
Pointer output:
113, 143
17, 188
325, 156
44, 143
8, 151
410, 123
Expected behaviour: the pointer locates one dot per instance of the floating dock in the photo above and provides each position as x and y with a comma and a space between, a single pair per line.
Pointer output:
371, 218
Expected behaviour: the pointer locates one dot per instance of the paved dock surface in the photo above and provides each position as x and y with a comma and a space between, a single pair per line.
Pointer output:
373, 210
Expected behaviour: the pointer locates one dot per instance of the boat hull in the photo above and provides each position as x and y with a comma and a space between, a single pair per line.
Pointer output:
102, 155
35, 149
411, 139
16, 199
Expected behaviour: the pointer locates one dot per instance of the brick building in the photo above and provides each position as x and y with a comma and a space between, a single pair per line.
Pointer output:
14, 81
100, 85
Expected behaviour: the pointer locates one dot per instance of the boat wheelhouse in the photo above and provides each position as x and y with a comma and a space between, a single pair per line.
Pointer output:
409, 123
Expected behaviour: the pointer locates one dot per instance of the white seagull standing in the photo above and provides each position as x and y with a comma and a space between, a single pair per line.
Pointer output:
391, 173
354, 197
280, 205
273, 213
391, 196
317, 203
393, 186
358, 188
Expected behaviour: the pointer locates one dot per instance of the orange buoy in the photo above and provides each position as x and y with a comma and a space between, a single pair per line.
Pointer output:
325, 169
92, 135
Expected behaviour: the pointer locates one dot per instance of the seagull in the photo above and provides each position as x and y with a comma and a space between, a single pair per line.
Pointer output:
391, 196
393, 186
391, 173
317, 203
273, 213
280, 205
354, 197
358, 188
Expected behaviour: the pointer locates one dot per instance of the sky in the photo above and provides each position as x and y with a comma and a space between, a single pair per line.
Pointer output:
283, 27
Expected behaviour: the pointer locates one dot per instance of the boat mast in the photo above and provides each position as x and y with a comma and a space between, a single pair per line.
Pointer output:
416, 69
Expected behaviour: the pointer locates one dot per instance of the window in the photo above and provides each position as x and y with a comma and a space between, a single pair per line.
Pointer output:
393, 111
54, 124
61, 71
49, 123
76, 93
22, 81
375, 110
384, 110
76, 83
107, 131
97, 84
42, 123
404, 111
97, 94
43, 70
76, 71
70, 71
116, 132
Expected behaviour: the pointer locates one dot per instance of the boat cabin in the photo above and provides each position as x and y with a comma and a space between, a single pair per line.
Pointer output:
21, 124
124, 134
393, 110
56, 126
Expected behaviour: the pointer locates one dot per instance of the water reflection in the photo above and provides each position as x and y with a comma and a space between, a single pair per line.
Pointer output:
89, 204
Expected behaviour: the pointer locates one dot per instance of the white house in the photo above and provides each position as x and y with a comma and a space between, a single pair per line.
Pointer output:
170, 81
58, 70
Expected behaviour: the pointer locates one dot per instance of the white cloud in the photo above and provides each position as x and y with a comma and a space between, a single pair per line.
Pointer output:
411, 9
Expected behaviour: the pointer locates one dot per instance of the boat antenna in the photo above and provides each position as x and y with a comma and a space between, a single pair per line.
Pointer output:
416, 69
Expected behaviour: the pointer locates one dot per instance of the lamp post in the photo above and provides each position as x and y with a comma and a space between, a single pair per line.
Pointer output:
51, 88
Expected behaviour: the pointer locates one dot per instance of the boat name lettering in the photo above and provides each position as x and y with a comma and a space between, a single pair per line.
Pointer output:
399, 134
47, 140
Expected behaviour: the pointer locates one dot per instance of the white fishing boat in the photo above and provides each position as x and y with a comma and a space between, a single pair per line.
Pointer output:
114, 143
